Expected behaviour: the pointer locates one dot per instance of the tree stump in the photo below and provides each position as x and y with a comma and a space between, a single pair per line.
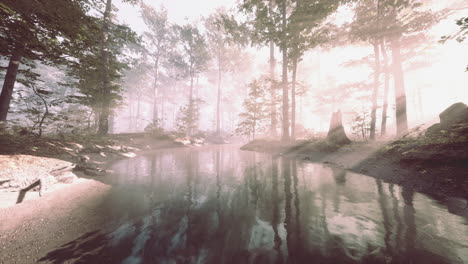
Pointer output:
336, 133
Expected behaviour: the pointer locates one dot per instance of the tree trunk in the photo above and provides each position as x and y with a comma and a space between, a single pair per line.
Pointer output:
9, 82
383, 128
285, 135
253, 130
293, 100
111, 123
155, 91
400, 93
274, 121
336, 133
138, 111
106, 89
375, 91
218, 101
161, 120
190, 106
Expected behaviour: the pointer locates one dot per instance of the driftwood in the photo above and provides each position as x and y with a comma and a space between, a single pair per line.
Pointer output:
336, 132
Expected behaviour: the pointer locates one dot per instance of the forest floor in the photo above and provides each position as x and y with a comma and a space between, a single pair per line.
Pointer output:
437, 166
25, 159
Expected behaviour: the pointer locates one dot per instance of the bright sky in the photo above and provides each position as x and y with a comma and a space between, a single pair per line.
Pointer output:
179, 11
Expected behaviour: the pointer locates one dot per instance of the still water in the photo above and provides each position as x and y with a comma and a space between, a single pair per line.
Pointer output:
223, 205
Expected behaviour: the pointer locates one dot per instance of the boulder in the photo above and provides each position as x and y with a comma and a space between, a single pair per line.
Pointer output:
433, 130
454, 114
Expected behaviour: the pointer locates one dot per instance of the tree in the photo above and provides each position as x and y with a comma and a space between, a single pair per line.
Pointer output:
367, 27
397, 25
262, 29
87, 72
188, 117
158, 43
285, 23
225, 53
392, 23
35, 31
105, 52
195, 57
255, 108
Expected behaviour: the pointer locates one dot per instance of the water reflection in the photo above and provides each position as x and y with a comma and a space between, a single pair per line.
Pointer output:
222, 205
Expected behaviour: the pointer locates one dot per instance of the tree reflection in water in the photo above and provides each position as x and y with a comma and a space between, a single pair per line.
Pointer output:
222, 205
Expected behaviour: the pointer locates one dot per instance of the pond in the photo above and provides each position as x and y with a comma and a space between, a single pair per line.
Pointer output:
218, 204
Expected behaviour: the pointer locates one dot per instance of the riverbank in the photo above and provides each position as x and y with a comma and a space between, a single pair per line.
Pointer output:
62, 162
437, 165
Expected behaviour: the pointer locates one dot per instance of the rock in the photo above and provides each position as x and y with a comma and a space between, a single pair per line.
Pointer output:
454, 114
433, 130
23, 170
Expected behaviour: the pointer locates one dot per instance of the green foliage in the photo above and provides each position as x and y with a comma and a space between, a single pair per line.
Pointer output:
220, 45
194, 49
360, 124
85, 71
188, 117
256, 105
389, 19
43, 30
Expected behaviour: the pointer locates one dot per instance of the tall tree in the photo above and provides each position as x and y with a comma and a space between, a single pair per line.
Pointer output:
285, 22
392, 22
305, 31
103, 128
105, 50
196, 58
367, 27
225, 53
159, 42
284, 80
37, 31
403, 19
386, 71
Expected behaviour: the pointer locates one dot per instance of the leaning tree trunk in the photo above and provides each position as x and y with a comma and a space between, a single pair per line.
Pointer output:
336, 132
106, 89
9, 82
375, 92
400, 93
293, 100
383, 128
285, 136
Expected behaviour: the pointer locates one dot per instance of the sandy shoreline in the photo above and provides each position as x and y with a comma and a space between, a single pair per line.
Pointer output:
38, 225
35, 227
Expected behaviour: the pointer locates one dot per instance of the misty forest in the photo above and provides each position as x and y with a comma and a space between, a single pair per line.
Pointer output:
233, 131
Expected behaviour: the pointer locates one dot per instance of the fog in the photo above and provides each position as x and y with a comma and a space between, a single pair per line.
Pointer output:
233, 131
435, 75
